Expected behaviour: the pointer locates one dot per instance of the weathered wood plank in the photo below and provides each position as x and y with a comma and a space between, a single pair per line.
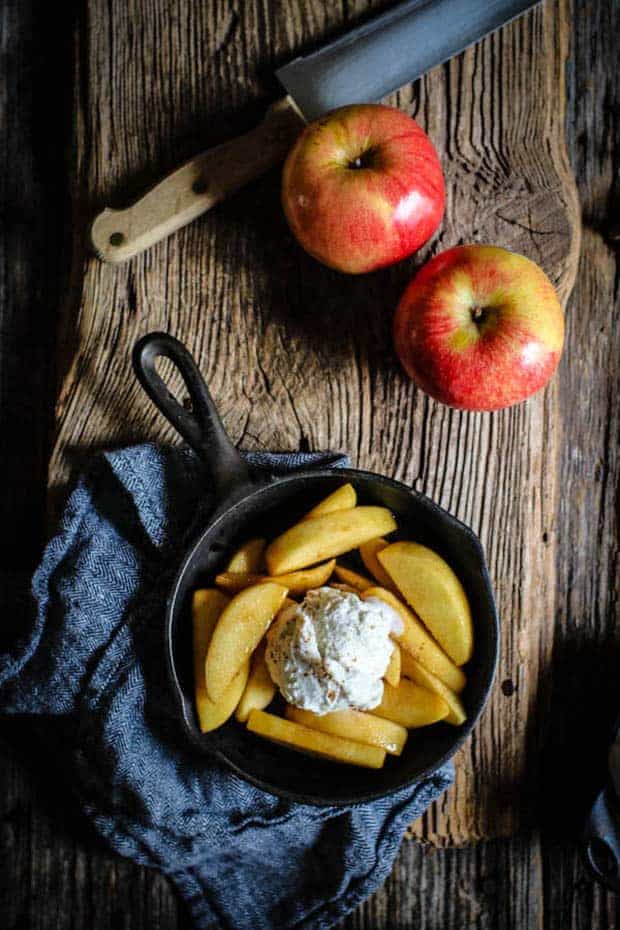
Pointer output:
35, 73
493, 886
33, 267
498, 472
497, 885
298, 356
586, 651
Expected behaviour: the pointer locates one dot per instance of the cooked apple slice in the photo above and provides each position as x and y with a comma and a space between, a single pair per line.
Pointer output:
368, 552
421, 676
351, 578
428, 583
343, 587
233, 582
212, 715
326, 745
326, 536
294, 582
417, 641
207, 605
392, 672
344, 498
240, 628
355, 725
248, 559
411, 705
260, 689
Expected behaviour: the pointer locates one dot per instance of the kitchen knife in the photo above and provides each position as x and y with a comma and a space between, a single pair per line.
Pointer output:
365, 65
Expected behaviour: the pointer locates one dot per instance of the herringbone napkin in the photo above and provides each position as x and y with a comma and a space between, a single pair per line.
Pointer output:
92, 654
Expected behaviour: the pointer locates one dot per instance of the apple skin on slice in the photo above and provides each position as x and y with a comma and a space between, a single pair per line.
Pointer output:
207, 605
431, 587
259, 690
421, 676
417, 641
325, 537
356, 725
411, 705
352, 579
295, 582
240, 628
346, 588
368, 553
326, 745
343, 498
248, 559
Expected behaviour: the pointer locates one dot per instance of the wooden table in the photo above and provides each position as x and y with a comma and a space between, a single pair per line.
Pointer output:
538, 482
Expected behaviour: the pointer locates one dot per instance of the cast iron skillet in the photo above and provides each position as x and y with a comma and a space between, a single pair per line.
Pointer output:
252, 504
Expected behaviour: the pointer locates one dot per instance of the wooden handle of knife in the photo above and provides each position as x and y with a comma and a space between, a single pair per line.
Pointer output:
196, 186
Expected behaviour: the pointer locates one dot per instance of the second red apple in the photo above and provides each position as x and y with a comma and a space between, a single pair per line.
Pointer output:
480, 328
363, 188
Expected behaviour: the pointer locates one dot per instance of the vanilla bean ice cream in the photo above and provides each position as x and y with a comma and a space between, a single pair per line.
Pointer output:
331, 651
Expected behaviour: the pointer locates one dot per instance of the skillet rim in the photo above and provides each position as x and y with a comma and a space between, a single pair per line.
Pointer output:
199, 740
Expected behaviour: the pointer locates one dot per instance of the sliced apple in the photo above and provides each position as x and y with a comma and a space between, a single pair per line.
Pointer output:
417, 641
233, 582
392, 672
343, 587
421, 676
355, 725
294, 582
344, 498
368, 552
351, 578
326, 536
411, 705
427, 582
207, 605
293, 735
248, 559
259, 690
240, 628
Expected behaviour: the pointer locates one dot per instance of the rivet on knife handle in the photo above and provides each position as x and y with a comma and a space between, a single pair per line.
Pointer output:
196, 186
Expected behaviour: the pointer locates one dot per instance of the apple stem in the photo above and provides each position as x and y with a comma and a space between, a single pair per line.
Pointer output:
479, 314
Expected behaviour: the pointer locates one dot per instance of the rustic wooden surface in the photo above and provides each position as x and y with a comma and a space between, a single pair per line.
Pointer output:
55, 874
299, 356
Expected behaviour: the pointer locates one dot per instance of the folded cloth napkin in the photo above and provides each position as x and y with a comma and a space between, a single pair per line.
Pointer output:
92, 659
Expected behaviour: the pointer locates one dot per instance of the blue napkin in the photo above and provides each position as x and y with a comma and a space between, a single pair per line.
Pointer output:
91, 655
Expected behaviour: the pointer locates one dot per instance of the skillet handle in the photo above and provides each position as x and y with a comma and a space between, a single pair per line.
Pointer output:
201, 426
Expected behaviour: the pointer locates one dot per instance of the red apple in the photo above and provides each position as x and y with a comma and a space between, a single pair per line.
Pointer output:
363, 188
479, 328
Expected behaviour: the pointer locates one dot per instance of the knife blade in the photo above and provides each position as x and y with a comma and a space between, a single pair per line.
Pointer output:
375, 59
364, 65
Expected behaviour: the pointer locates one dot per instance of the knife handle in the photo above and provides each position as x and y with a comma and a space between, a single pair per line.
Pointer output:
196, 186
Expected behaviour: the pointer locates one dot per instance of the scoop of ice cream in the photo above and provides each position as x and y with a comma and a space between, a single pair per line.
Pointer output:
331, 651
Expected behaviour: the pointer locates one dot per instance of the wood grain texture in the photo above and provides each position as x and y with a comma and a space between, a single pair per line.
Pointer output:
197, 186
33, 266
56, 876
298, 356
586, 650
